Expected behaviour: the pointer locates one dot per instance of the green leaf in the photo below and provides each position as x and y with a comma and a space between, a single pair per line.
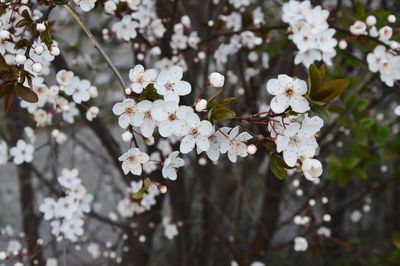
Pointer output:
360, 135
314, 80
330, 90
380, 135
3, 64
360, 11
221, 113
320, 111
46, 38
351, 162
26, 93
146, 184
22, 43
149, 93
277, 166
227, 101
367, 122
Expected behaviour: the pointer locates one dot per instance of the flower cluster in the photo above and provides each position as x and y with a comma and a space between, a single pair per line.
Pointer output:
386, 62
67, 211
310, 32
173, 121
385, 58
294, 135
180, 40
53, 100
141, 17
127, 207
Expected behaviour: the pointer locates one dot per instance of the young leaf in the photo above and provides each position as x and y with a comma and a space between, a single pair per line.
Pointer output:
149, 93
277, 166
331, 89
3, 65
138, 195
26, 93
314, 80
320, 111
8, 100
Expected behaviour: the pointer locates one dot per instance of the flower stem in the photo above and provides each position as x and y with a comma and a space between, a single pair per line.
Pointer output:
96, 45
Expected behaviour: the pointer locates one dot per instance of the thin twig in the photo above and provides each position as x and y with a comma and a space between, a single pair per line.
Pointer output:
96, 45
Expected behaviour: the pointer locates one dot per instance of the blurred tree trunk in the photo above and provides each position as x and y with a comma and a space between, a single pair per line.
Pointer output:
139, 254
30, 221
180, 212
207, 217
268, 218
396, 207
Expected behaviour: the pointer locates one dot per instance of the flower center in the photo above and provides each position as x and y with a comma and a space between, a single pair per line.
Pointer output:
169, 86
194, 132
132, 159
313, 171
172, 117
294, 140
141, 79
128, 110
289, 90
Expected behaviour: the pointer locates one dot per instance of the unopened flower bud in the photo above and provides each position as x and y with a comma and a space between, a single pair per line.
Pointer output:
162, 189
20, 59
127, 136
128, 91
55, 51
201, 105
55, 133
5, 35
371, 20
251, 149
391, 18
342, 44
37, 67
216, 80
39, 50
40, 27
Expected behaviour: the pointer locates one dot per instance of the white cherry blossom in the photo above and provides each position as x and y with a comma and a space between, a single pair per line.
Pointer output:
143, 118
170, 85
66, 207
86, 5
312, 169
78, 89
49, 208
126, 28
197, 133
69, 178
288, 92
72, 228
168, 115
171, 165
22, 152
300, 244
234, 144
133, 160
295, 143
127, 112
141, 78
